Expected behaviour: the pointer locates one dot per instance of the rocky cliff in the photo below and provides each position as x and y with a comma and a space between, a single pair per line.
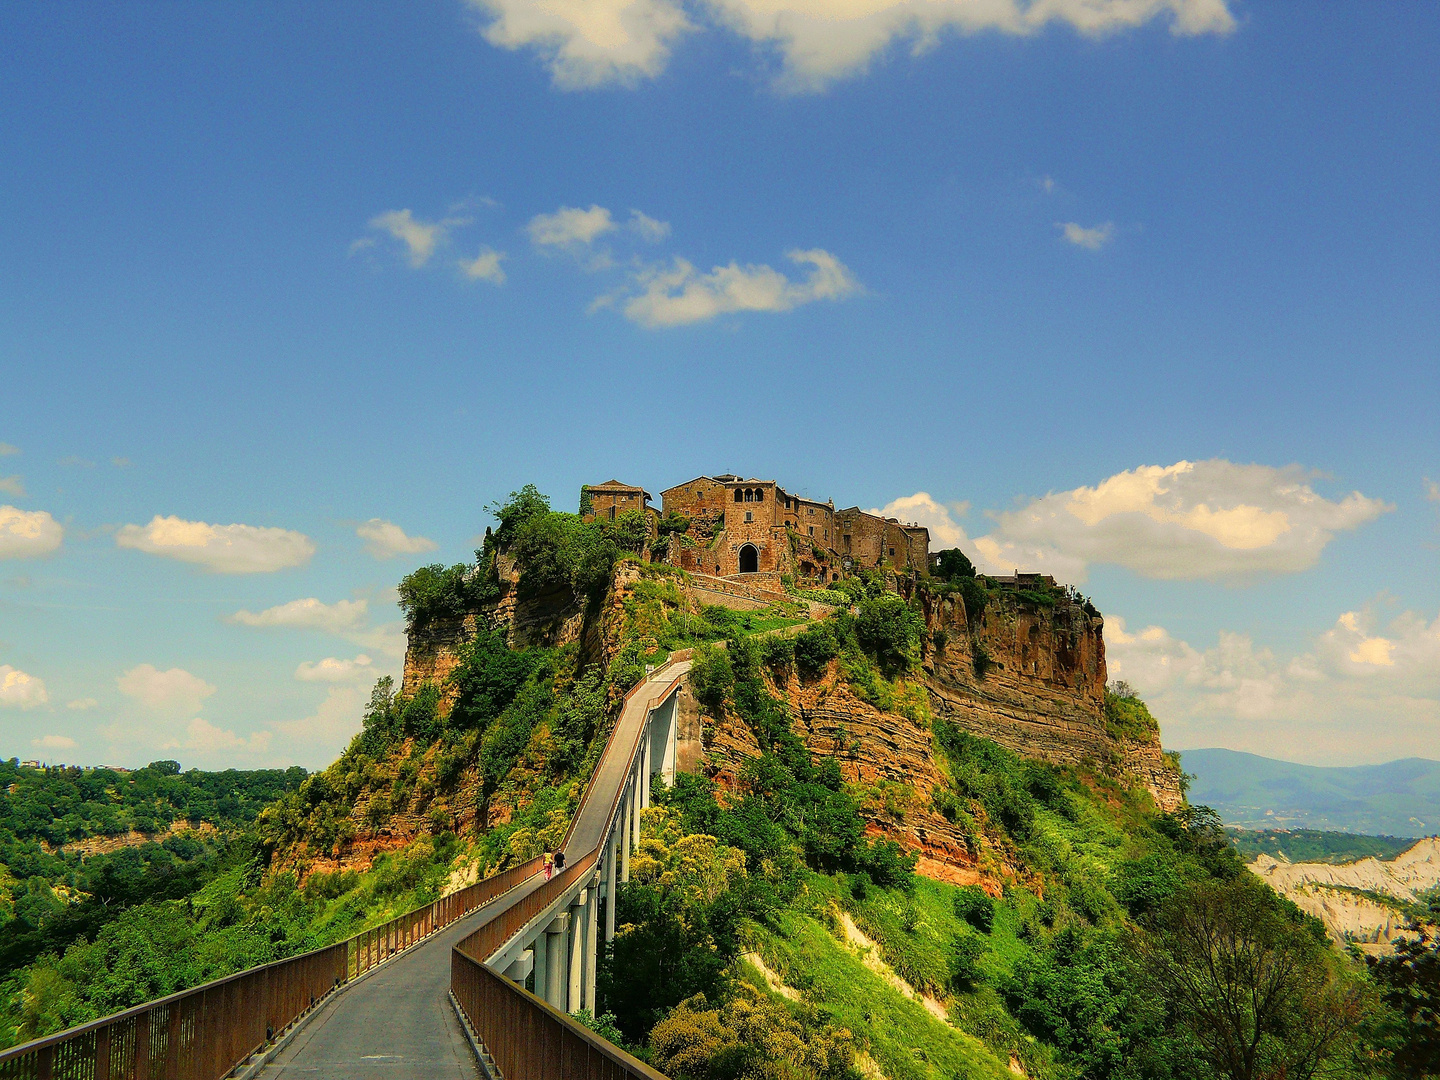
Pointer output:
1368, 901
1039, 691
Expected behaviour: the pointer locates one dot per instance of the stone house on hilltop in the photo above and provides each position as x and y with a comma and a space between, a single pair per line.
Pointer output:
749, 526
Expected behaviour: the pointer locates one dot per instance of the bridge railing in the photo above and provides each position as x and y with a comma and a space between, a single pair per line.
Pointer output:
526, 1036
206, 1032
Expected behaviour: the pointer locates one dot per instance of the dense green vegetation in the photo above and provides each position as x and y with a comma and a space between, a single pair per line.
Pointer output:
1127, 718
1089, 962
1313, 845
55, 899
763, 934
52, 893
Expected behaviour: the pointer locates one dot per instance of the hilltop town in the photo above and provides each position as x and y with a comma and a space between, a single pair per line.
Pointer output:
727, 525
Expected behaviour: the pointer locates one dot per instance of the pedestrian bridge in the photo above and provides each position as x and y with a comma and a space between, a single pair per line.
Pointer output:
436, 993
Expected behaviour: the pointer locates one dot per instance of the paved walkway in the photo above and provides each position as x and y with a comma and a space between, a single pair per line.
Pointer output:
398, 1023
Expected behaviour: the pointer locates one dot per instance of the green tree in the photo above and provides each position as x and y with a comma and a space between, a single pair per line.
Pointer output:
1410, 984
890, 630
1250, 982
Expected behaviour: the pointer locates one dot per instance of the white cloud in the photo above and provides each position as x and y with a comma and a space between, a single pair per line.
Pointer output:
54, 742
26, 534
1359, 693
318, 738
6, 449
419, 237
173, 692
485, 267
1093, 238
12, 485
589, 43
82, 703
1432, 490
945, 531
21, 691
647, 228
570, 226
121, 462
222, 549
341, 617
1205, 519
677, 295
203, 737
334, 670
384, 539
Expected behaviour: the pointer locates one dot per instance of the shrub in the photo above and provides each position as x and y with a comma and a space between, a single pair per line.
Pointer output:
890, 630
815, 648
777, 652
965, 953
436, 592
711, 677
981, 660
487, 679
419, 717
1126, 716
974, 905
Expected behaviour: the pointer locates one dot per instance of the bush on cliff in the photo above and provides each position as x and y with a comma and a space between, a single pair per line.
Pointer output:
1126, 716
890, 630
438, 592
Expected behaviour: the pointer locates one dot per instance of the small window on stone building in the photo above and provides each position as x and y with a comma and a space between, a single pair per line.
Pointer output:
759, 495
739, 495
812, 530
612, 513
892, 551
749, 516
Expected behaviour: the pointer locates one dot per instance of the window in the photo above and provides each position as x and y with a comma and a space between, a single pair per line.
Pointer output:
612, 513
749, 516
892, 551
812, 530
739, 495
810, 510
759, 494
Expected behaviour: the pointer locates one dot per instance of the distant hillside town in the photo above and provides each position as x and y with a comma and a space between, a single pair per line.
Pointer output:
727, 525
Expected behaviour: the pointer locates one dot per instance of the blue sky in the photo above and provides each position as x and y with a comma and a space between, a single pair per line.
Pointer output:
1141, 293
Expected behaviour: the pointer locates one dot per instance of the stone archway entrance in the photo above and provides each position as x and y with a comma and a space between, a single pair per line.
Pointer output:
749, 560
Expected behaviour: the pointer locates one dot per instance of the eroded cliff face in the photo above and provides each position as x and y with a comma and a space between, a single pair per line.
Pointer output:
1042, 696
1042, 693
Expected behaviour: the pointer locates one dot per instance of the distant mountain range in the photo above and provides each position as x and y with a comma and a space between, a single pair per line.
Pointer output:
1399, 798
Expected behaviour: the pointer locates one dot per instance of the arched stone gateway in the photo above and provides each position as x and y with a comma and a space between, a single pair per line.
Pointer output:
749, 559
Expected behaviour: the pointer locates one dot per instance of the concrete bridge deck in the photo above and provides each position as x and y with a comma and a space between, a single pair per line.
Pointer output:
397, 1023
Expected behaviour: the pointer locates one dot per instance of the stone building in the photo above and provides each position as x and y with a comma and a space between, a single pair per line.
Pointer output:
752, 526
611, 499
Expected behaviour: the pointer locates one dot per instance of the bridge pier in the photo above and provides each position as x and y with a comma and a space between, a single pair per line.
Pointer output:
557, 949
611, 849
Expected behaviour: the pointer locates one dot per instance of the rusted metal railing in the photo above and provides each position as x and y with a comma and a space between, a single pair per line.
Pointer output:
528, 1037
205, 1033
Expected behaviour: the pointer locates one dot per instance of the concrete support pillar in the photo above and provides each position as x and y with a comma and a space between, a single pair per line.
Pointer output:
635, 805
645, 766
557, 957
592, 949
519, 971
541, 953
624, 838
610, 889
577, 950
